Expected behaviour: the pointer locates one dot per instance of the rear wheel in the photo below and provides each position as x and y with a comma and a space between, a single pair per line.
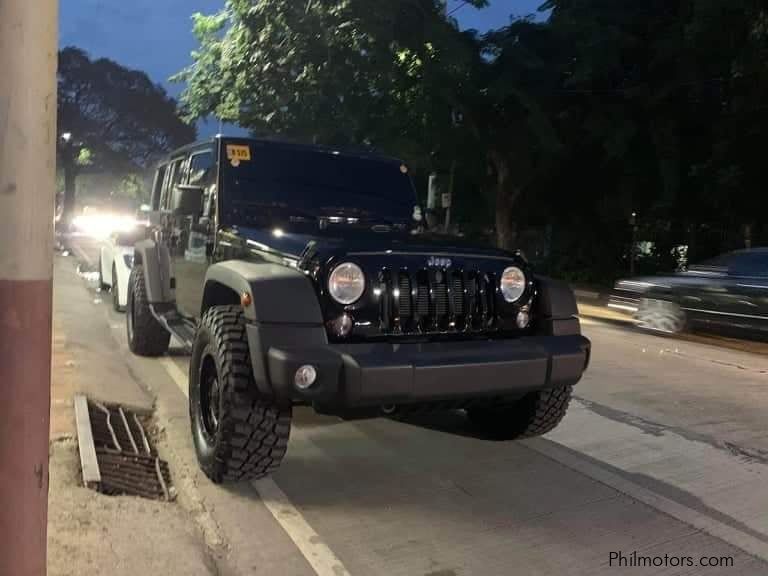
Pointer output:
237, 434
146, 336
532, 415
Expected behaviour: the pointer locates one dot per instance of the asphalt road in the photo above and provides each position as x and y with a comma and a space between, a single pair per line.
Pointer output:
664, 452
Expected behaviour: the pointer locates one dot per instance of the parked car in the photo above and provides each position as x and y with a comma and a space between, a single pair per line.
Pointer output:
115, 263
728, 291
302, 275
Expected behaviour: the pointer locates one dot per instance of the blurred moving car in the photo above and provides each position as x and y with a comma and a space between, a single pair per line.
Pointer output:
115, 263
728, 291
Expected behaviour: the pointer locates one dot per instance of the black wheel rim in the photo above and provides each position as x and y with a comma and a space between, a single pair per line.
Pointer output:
210, 396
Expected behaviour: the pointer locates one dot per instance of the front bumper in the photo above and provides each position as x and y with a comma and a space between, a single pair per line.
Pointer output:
625, 301
374, 374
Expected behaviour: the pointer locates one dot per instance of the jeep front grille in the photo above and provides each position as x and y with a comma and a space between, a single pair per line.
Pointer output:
436, 301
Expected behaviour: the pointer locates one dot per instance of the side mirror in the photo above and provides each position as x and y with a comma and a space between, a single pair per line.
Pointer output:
188, 200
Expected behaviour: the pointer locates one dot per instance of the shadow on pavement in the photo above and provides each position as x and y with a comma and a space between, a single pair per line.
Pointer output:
454, 422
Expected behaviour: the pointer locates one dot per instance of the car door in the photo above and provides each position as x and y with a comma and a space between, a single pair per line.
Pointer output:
748, 275
195, 234
706, 293
168, 225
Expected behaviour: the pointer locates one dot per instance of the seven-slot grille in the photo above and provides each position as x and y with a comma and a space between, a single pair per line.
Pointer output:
436, 300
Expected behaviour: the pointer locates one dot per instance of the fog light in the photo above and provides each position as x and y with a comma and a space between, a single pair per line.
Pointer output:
523, 319
305, 377
341, 326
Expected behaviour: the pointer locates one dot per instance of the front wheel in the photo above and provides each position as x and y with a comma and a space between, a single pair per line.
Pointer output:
661, 316
237, 434
146, 336
534, 414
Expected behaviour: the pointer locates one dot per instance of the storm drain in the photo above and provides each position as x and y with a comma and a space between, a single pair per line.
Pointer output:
116, 455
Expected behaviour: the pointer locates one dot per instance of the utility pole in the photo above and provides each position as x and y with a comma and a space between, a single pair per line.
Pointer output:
28, 53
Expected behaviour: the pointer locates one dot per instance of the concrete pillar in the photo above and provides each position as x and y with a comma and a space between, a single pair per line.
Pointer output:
28, 52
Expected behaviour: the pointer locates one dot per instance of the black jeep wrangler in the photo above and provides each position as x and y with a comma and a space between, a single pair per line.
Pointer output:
301, 275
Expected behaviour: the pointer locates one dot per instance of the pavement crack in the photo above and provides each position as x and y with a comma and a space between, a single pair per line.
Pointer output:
748, 455
725, 363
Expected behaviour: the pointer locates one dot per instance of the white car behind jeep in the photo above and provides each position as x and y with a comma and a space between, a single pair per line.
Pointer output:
115, 263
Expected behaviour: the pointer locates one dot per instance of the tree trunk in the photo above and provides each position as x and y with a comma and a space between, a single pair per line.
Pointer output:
506, 196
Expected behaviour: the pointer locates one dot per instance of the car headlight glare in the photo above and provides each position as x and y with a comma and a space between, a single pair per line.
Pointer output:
346, 283
512, 284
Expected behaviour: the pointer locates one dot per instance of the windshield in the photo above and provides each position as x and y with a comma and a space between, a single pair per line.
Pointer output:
305, 183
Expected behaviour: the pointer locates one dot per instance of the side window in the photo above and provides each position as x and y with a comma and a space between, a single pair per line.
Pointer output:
157, 187
179, 173
173, 176
202, 169
749, 264
202, 172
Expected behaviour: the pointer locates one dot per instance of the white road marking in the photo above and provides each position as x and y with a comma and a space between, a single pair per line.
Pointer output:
176, 375
316, 552
322, 559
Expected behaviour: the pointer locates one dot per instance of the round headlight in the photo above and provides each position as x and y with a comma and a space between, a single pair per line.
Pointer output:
512, 284
346, 283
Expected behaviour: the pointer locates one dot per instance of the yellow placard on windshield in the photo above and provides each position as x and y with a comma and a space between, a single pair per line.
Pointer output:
237, 153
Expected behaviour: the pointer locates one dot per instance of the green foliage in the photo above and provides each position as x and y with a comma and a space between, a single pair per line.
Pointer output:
396, 75
608, 108
84, 157
117, 119
132, 187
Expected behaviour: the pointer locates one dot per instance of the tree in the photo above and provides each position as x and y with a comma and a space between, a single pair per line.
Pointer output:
608, 108
112, 118
396, 75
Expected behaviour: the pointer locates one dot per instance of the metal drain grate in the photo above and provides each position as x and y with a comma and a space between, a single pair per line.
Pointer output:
116, 454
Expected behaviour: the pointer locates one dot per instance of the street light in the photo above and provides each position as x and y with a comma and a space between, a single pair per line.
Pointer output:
66, 136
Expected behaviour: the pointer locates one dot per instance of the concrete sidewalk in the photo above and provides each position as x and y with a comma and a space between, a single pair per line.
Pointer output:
86, 359
89, 533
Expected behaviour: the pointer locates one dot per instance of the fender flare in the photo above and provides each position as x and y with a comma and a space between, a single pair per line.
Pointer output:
283, 311
156, 260
278, 294
556, 307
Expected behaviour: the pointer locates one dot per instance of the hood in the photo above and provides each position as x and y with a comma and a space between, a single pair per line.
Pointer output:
343, 240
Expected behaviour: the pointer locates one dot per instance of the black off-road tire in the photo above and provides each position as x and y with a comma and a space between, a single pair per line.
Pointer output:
146, 336
534, 414
251, 433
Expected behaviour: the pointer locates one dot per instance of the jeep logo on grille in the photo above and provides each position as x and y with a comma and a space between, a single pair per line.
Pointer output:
435, 262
